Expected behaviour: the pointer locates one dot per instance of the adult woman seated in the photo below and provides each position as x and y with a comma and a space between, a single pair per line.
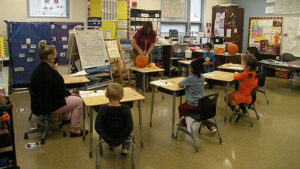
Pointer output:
48, 92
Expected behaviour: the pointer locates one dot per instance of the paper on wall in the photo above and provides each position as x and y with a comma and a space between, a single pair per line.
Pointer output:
269, 1
228, 33
28, 41
298, 29
235, 30
269, 9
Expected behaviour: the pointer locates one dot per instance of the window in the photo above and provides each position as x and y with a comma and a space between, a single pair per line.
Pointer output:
188, 19
48, 8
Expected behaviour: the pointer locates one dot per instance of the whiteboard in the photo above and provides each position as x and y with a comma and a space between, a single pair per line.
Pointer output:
291, 36
173, 8
91, 48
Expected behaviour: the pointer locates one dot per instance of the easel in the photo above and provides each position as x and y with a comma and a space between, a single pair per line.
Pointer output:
118, 63
100, 71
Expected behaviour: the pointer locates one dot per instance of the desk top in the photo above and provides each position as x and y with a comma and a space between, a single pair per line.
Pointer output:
75, 79
173, 81
147, 70
230, 66
220, 76
294, 65
186, 62
226, 54
129, 95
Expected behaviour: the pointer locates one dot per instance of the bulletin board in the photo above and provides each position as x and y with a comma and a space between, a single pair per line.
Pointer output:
291, 36
2, 47
173, 8
23, 48
139, 17
265, 33
119, 25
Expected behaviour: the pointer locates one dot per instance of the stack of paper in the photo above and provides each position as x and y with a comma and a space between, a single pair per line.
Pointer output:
81, 73
2, 46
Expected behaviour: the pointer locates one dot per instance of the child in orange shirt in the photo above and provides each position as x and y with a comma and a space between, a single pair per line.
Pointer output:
248, 80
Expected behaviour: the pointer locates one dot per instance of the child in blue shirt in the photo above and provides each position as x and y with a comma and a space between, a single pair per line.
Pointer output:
208, 57
194, 90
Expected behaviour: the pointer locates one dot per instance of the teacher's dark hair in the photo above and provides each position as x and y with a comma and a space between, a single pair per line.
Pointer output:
197, 67
145, 27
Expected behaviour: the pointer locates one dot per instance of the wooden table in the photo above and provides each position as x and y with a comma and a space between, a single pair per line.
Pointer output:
226, 77
231, 67
174, 89
185, 62
75, 79
71, 80
129, 95
145, 71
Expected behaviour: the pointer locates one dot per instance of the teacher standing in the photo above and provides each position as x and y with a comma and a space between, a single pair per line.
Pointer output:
144, 40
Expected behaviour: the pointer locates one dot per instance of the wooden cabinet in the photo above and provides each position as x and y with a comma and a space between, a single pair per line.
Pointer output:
234, 22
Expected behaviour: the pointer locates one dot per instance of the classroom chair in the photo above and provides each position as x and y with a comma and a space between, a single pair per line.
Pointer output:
45, 125
287, 57
261, 85
243, 109
207, 110
99, 150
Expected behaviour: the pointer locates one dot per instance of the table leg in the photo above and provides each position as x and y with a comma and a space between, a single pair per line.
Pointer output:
162, 76
173, 113
152, 105
83, 122
129, 78
179, 68
144, 83
140, 121
91, 131
188, 70
227, 88
180, 99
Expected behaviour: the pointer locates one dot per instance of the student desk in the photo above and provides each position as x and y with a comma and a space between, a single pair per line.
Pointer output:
70, 80
77, 80
231, 67
226, 77
185, 62
173, 90
129, 95
145, 71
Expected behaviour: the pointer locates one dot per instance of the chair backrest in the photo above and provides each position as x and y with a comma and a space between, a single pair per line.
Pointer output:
207, 106
253, 95
287, 57
261, 79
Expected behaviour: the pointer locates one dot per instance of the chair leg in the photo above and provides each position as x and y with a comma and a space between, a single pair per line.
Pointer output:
201, 124
265, 93
97, 156
220, 138
248, 116
179, 126
133, 154
192, 136
254, 109
30, 116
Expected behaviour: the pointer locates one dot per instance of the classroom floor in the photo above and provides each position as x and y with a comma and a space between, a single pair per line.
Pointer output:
272, 143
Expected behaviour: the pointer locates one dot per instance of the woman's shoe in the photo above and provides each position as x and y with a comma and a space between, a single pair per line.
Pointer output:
72, 134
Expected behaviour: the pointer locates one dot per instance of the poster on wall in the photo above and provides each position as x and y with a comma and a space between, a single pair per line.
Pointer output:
48, 8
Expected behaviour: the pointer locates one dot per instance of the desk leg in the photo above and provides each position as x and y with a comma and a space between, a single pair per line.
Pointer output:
162, 76
144, 83
83, 121
180, 99
129, 78
152, 105
173, 114
227, 88
91, 131
179, 69
140, 121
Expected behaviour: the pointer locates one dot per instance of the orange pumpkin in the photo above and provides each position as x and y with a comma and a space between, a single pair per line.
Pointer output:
232, 49
141, 61
5, 117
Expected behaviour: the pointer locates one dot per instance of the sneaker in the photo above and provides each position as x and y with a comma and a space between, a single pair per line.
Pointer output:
124, 151
212, 129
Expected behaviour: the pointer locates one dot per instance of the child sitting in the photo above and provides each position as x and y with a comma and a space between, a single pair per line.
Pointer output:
194, 90
114, 121
209, 57
248, 80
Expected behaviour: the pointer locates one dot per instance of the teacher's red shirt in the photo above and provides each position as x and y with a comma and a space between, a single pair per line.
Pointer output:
140, 40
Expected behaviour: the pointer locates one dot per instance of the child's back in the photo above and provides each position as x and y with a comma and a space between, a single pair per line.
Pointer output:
248, 82
114, 124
